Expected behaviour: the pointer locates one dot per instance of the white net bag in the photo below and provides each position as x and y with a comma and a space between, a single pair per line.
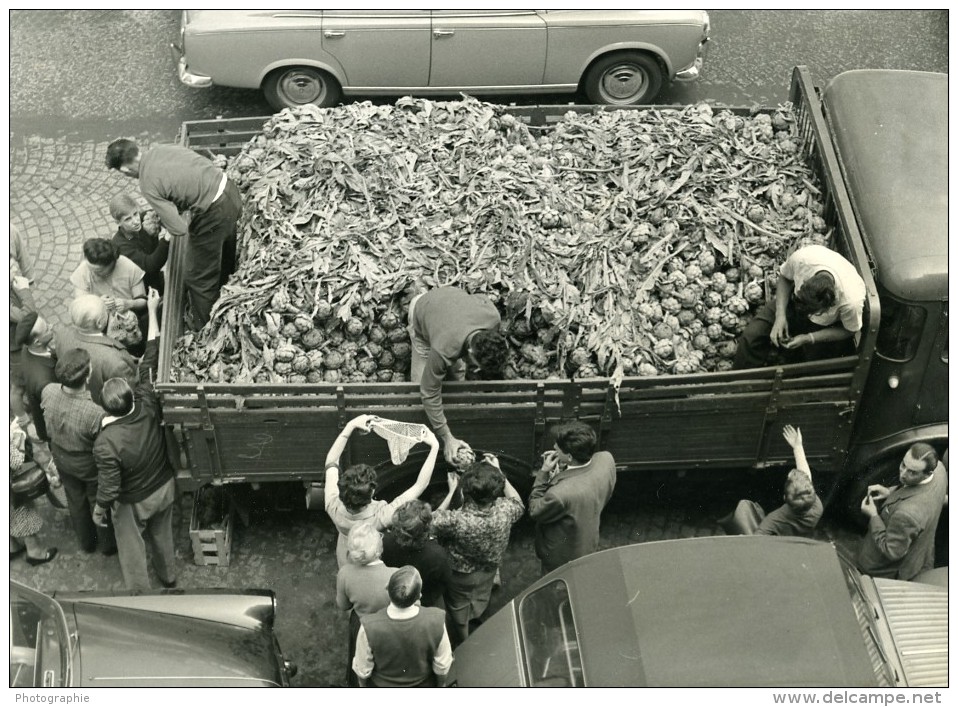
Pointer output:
400, 436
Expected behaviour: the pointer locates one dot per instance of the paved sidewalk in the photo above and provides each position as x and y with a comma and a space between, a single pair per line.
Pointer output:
60, 191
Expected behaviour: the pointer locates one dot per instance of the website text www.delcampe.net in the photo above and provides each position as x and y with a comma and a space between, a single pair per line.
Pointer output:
848, 697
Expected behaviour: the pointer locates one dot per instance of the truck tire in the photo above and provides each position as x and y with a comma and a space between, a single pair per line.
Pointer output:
623, 79
293, 86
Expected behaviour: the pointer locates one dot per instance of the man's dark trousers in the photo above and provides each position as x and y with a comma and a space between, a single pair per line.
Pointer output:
211, 251
81, 497
755, 348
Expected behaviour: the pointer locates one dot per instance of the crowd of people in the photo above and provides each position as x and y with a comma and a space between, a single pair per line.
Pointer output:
415, 580
82, 405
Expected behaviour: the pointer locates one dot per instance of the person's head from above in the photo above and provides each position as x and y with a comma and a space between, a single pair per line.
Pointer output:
405, 587
919, 462
364, 544
357, 484
117, 397
486, 354
575, 443
817, 294
410, 525
126, 212
482, 483
123, 155
100, 255
89, 313
73, 368
799, 491
33, 330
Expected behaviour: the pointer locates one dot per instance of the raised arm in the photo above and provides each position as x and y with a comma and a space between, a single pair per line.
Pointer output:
336, 451
425, 473
793, 435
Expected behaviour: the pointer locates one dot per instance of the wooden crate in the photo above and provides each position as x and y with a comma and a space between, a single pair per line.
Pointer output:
211, 546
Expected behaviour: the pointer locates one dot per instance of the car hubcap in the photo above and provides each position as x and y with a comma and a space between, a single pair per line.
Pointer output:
623, 82
300, 87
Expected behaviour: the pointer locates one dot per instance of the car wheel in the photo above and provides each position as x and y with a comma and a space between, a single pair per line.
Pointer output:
623, 79
301, 85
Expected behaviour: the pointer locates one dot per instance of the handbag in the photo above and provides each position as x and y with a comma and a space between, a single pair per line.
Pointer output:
28, 482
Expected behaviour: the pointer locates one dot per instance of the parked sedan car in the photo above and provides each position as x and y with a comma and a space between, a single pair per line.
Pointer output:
742, 611
174, 638
620, 57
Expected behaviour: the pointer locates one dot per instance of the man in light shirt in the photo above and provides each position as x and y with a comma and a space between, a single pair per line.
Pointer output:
817, 311
405, 644
191, 196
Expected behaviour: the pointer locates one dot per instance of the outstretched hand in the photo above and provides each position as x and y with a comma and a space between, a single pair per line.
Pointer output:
361, 423
452, 449
792, 435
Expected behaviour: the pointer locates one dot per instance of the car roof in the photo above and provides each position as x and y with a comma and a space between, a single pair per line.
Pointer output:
890, 130
745, 611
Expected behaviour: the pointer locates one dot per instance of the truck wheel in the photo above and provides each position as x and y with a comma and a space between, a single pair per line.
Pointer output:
301, 85
623, 79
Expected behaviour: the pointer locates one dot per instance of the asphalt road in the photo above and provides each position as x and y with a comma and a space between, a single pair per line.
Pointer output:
100, 73
80, 78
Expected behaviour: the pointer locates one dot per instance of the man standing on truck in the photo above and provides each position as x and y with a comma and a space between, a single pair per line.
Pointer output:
817, 310
451, 330
900, 542
573, 486
192, 196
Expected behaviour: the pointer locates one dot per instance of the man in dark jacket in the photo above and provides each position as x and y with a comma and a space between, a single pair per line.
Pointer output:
135, 477
108, 357
37, 363
570, 491
900, 542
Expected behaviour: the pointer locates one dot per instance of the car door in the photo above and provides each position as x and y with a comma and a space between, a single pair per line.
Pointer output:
487, 48
379, 48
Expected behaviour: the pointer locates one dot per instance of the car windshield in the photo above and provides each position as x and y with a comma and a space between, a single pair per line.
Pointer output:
549, 638
867, 617
39, 640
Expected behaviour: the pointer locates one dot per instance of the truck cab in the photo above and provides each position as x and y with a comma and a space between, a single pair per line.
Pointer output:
890, 133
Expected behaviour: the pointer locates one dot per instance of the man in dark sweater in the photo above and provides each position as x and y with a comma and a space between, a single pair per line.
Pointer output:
135, 477
570, 491
139, 237
191, 196
403, 645
452, 331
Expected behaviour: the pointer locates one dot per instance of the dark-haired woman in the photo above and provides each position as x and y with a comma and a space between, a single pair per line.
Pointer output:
408, 542
348, 496
476, 537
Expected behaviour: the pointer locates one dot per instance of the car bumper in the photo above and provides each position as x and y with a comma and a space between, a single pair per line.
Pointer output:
691, 73
187, 77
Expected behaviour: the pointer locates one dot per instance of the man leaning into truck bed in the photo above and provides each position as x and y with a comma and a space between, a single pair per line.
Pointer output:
451, 330
817, 310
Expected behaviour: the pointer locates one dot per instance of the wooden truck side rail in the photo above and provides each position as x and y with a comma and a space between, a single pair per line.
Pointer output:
268, 432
